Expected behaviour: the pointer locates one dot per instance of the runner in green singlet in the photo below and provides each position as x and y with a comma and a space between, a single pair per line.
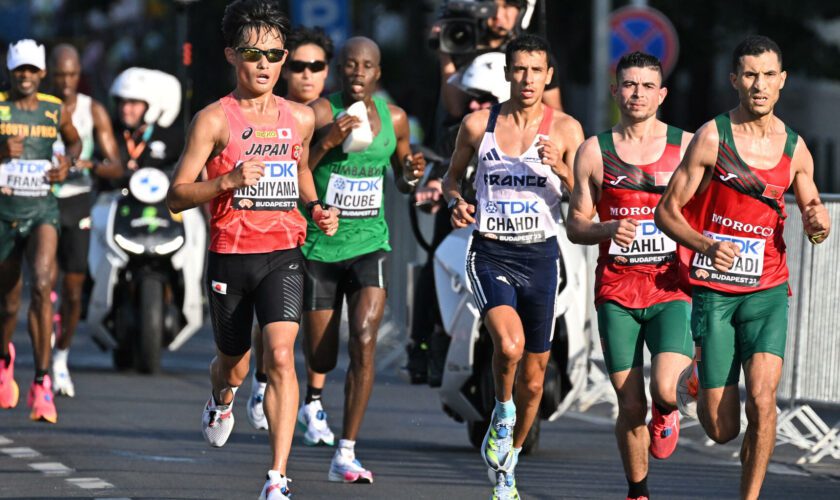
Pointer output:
351, 263
30, 122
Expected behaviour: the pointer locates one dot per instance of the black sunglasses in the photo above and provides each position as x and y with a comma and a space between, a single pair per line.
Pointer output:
299, 66
253, 54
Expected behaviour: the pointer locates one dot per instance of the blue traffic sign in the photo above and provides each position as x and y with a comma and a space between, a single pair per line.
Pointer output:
645, 30
333, 16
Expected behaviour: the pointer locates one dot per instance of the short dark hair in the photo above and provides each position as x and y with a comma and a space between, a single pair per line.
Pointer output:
306, 36
754, 45
638, 60
242, 16
527, 43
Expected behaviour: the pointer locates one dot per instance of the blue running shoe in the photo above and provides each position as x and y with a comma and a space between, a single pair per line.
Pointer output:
497, 448
505, 487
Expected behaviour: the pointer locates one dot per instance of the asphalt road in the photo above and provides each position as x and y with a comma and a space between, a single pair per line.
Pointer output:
138, 437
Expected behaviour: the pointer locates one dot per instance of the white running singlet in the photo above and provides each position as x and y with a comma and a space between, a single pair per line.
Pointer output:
517, 197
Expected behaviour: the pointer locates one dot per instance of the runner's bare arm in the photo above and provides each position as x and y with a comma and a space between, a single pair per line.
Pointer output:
325, 218
72, 148
696, 165
589, 173
207, 134
469, 136
69, 135
571, 137
111, 167
815, 219
329, 133
407, 167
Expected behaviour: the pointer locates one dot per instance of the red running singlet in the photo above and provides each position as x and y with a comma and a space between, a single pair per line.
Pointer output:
261, 218
646, 272
746, 206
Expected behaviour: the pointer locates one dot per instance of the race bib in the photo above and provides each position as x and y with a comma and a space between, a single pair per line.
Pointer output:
512, 221
747, 269
650, 246
277, 189
356, 197
25, 177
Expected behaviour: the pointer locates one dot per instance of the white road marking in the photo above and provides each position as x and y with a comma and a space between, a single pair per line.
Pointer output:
89, 483
21, 452
52, 468
4, 441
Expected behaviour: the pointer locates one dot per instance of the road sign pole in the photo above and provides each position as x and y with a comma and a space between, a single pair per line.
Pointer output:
600, 63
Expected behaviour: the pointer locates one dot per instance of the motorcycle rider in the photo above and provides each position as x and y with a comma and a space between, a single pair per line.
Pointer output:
145, 135
525, 149
74, 199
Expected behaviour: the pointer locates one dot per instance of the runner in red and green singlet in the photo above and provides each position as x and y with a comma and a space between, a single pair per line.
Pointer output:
622, 173
725, 207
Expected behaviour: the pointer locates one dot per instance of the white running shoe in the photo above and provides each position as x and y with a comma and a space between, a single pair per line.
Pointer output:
276, 486
312, 420
347, 469
217, 422
256, 415
62, 383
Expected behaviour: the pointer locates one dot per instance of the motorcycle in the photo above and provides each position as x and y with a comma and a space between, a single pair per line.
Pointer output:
467, 389
147, 265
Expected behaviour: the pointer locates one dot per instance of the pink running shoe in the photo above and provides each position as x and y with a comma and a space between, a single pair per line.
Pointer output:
9, 390
41, 401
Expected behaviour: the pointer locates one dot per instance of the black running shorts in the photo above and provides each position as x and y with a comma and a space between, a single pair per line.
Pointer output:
328, 282
270, 284
74, 238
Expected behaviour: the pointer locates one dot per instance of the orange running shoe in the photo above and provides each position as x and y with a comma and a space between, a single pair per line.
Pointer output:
41, 401
664, 433
9, 390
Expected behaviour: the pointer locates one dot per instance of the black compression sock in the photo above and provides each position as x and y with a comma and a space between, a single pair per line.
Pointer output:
39, 376
313, 394
636, 490
261, 377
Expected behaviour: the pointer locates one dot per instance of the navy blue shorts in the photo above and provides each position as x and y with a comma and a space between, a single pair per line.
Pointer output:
524, 277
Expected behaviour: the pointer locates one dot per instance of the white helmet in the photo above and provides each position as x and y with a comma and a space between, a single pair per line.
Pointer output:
485, 73
161, 91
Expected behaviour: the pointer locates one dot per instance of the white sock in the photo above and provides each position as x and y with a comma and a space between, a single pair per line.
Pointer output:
60, 356
347, 448
232, 390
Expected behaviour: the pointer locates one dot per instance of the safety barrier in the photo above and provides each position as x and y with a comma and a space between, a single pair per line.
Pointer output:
811, 373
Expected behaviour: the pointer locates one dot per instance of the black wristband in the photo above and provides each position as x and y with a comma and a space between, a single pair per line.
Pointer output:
309, 206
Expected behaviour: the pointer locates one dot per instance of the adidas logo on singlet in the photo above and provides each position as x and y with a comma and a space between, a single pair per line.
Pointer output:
491, 155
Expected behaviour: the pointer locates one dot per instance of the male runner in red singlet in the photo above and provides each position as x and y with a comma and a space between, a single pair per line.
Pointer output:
725, 207
524, 151
305, 72
255, 146
623, 172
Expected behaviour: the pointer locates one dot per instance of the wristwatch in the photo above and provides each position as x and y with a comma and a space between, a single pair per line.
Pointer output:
309, 206
454, 203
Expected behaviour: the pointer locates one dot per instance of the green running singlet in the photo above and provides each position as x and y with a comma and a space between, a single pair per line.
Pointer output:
355, 184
